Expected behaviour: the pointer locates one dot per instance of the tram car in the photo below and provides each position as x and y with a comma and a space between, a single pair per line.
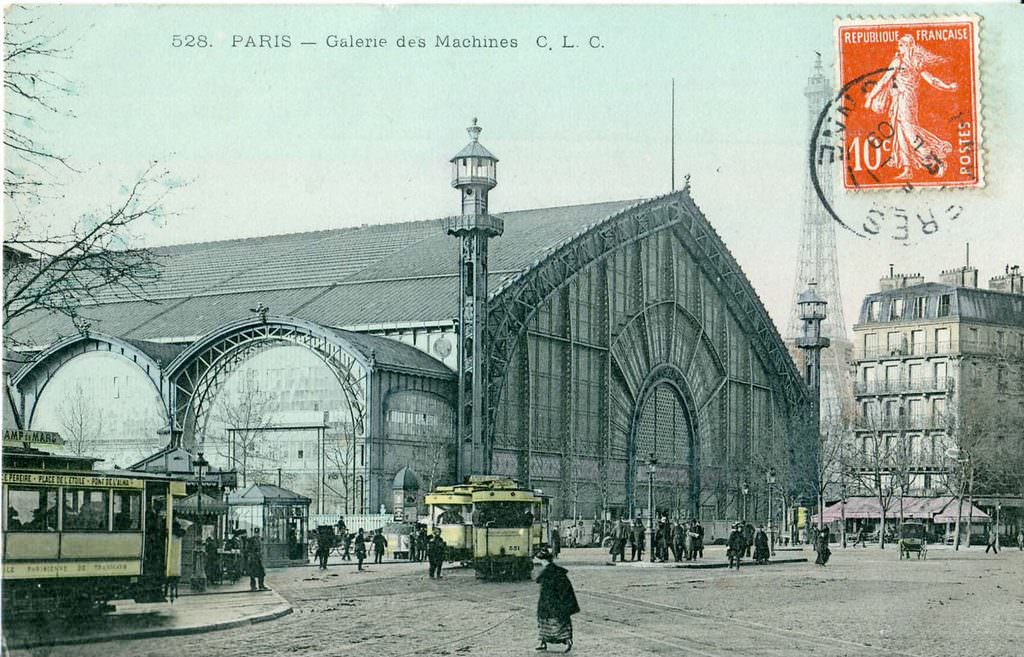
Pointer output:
451, 511
493, 523
75, 537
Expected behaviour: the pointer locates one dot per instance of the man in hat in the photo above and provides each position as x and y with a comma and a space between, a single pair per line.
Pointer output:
435, 553
678, 541
735, 545
639, 540
254, 561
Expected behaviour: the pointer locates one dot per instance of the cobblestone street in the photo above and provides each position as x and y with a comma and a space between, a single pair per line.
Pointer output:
866, 602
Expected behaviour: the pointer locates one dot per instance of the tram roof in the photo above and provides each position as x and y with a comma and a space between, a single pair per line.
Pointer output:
358, 277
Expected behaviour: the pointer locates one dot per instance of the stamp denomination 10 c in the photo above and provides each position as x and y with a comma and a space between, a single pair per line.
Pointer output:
911, 104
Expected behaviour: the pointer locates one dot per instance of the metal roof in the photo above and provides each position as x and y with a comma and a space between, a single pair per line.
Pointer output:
474, 149
398, 272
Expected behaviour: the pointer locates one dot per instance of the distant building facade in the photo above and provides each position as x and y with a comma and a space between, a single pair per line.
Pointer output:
940, 366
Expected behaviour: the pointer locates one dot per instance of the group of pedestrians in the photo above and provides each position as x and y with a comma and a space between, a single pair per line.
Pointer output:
745, 541
681, 540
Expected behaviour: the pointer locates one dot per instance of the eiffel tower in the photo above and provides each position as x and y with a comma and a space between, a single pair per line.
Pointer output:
818, 263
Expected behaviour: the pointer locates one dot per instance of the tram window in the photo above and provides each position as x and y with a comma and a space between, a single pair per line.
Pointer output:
504, 514
85, 509
31, 510
127, 511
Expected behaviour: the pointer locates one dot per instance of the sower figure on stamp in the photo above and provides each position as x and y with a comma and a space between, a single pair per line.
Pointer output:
896, 94
556, 605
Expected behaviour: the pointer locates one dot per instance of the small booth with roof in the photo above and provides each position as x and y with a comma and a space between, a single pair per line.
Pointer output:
282, 517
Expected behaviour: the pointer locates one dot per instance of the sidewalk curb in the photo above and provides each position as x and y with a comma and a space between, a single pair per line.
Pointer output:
280, 612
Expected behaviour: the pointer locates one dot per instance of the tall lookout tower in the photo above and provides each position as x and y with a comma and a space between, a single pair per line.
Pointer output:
473, 174
818, 262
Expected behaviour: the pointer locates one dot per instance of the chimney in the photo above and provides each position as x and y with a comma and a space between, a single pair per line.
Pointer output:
895, 281
960, 277
1011, 282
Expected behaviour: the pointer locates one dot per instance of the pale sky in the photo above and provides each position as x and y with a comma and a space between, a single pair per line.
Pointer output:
304, 138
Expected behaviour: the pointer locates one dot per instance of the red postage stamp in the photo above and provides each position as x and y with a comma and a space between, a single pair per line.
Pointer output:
910, 100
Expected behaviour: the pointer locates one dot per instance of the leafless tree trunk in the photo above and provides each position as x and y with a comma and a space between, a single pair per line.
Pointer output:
82, 423
246, 418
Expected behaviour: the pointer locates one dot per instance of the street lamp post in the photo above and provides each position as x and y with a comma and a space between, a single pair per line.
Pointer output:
745, 489
198, 570
771, 517
652, 464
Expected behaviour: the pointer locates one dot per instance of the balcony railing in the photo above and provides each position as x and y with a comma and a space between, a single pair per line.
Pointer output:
921, 422
941, 348
923, 384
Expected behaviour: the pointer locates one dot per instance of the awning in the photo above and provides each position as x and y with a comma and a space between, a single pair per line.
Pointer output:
211, 506
936, 509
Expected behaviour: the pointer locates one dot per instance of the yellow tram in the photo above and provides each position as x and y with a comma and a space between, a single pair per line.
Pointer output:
75, 537
492, 522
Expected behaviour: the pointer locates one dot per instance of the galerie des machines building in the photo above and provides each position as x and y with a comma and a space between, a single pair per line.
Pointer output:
565, 347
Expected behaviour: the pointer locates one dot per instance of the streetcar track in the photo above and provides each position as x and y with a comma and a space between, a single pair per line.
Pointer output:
690, 650
814, 639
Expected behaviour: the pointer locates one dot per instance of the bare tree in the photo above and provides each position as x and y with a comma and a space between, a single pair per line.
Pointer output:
873, 466
341, 471
246, 417
54, 267
81, 421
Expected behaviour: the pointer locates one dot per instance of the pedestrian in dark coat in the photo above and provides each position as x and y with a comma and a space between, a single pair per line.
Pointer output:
435, 553
748, 538
663, 539
993, 536
360, 548
761, 550
638, 540
736, 546
254, 561
323, 548
556, 542
379, 543
556, 605
699, 540
347, 544
620, 536
821, 547
678, 541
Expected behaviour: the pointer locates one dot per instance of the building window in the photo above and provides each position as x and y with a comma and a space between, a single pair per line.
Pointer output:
944, 305
942, 340
914, 374
300, 453
940, 374
870, 344
919, 306
894, 343
896, 310
873, 308
917, 346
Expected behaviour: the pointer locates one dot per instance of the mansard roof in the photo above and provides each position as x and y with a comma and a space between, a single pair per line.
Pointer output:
348, 277
965, 304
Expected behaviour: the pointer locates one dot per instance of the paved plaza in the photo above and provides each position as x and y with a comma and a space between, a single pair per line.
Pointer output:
865, 602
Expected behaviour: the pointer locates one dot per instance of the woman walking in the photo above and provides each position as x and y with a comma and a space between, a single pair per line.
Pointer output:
821, 546
556, 605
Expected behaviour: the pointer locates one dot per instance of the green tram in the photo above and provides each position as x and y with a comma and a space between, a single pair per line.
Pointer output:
493, 523
75, 537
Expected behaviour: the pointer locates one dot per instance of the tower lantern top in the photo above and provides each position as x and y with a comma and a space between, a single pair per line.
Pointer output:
812, 305
474, 148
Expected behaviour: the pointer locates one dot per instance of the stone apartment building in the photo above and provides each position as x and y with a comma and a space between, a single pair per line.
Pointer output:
940, 365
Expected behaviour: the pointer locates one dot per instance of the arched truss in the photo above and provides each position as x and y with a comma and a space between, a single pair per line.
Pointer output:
31, 379
515, 303
199, 372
